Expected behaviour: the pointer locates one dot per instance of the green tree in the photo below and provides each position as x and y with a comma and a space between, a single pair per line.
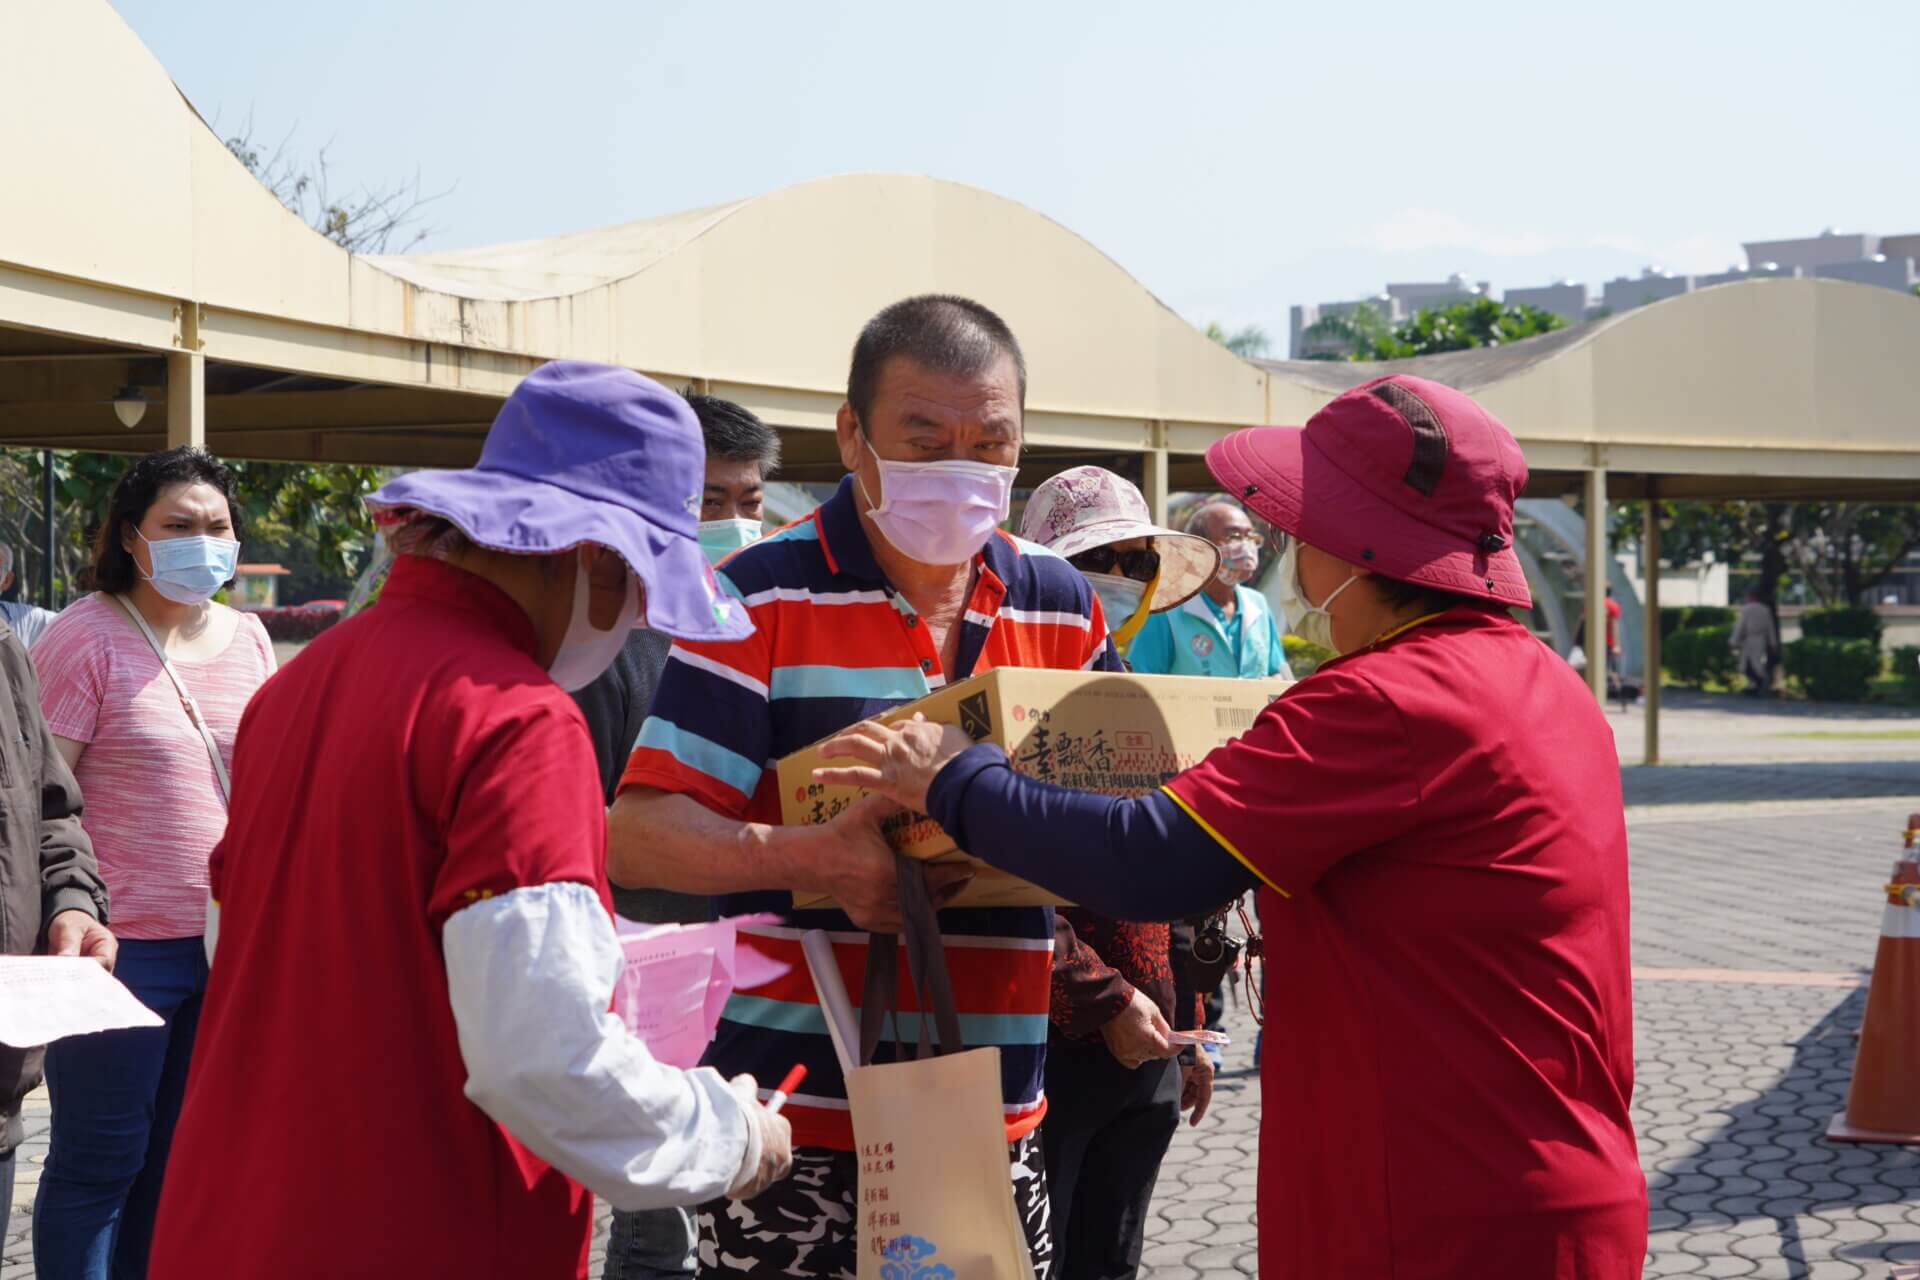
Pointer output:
1842, 550
1357, 328
1248, 341
1836, 552
1459, 326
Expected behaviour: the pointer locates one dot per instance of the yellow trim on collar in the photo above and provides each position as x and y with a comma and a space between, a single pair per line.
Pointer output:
1224, 843
1402, 629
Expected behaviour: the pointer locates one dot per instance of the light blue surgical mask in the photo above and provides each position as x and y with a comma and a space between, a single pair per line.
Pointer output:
721, 538
1120, 597
190, 570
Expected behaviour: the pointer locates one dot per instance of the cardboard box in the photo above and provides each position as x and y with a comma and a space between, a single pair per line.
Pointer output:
1092, 730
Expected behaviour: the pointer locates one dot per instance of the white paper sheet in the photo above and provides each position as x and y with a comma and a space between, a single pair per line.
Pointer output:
46, 998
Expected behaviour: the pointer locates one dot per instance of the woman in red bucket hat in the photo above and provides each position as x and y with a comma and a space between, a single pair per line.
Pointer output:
1433, 823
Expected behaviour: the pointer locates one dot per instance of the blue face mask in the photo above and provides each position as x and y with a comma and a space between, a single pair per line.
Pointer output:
190, 570
721, 538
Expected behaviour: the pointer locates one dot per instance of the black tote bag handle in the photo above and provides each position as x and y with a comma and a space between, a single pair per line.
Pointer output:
926, 968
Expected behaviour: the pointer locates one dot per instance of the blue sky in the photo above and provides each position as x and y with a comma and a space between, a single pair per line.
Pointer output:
1237, 158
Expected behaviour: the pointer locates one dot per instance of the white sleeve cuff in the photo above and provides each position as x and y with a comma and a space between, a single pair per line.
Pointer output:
530, 975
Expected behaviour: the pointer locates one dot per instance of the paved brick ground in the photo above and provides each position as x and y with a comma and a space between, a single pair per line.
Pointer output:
1755, 914
1725, 728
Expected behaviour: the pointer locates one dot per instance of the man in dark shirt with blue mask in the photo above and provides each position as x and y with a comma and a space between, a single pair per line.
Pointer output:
742, 452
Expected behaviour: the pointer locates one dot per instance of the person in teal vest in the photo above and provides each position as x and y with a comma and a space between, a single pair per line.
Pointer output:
1228, 629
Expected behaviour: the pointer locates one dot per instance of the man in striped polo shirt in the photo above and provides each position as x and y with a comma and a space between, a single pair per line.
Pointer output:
896, 585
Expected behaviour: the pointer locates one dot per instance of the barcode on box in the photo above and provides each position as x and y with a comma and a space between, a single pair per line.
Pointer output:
1234, 717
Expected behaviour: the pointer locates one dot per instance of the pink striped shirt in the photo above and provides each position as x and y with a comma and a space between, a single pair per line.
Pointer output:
152, 800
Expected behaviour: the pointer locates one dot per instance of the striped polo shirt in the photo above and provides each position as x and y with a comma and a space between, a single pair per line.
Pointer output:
835, 643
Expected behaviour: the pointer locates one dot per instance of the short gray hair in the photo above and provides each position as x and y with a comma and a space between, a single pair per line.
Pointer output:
1201, 521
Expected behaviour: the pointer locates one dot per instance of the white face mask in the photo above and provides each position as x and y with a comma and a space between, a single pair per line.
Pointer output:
939, 512
586, 651
1311, 622
721, 538
1119, 596
190, 570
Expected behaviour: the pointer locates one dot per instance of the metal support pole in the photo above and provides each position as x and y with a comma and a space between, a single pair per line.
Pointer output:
46, 530
1153, 483
1597, 582
187, 385
1650, 618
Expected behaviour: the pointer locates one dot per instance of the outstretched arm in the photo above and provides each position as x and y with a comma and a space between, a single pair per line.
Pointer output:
1133, 859
1142, 858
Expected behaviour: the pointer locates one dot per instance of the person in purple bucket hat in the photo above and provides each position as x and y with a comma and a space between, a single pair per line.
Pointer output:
407, 1024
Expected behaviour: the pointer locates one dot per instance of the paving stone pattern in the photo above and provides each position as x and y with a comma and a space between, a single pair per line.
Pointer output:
1737, 1077
1767, 782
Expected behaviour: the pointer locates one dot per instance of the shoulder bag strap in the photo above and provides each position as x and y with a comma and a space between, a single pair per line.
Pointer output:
186, 699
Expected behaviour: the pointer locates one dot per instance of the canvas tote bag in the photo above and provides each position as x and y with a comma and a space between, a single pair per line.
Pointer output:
935, 1189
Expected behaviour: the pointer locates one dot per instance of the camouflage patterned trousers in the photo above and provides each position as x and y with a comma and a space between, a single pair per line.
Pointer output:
804, 1227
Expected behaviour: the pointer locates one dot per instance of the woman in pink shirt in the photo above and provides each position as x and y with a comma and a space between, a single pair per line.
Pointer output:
142, 735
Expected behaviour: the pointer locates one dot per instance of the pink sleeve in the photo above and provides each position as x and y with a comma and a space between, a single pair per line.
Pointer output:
264, 641
72, 662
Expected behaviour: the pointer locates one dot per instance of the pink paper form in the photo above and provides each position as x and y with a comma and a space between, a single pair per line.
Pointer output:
677, 979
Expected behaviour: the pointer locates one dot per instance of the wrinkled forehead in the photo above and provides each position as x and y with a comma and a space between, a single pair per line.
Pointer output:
909, 396
1219, 519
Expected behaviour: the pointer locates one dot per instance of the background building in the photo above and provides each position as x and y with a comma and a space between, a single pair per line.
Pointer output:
1568, 299
1889, 262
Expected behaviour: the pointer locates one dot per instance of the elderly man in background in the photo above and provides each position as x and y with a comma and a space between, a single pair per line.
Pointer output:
742, 452
1228, 629
1115, 1090
27, 621
898, 584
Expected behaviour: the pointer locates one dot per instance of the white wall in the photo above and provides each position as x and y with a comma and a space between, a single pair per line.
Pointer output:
1681, 585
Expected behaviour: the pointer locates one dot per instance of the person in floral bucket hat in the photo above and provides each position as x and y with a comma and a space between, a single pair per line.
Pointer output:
1099, 523
407, 1023
1432, 821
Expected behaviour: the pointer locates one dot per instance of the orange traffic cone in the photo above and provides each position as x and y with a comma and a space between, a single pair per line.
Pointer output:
1884, 1103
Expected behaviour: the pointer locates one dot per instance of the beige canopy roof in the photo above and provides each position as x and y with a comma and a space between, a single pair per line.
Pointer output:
137, 235
135, 250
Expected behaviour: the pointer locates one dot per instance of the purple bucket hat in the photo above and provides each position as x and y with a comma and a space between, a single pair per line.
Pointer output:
590, 453
1086, 507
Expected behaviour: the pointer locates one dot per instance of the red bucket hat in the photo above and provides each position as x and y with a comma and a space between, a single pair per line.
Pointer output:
1405, 477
